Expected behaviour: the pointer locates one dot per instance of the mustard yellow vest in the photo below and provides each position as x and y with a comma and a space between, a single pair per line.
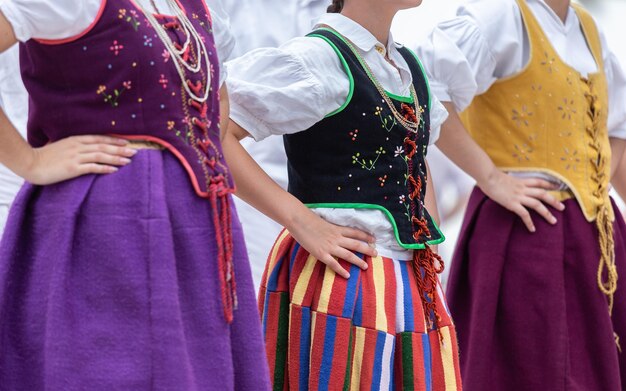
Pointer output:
549, 118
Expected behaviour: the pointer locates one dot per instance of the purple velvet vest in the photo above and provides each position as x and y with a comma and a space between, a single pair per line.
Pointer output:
118, 79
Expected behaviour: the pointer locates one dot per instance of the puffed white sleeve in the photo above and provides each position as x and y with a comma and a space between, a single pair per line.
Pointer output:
50, 20
277, 91
224, 38
616, 79
438, 115
465, 55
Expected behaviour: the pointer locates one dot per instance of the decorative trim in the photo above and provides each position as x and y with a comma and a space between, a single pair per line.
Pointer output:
348, 72
80, 35
415, 246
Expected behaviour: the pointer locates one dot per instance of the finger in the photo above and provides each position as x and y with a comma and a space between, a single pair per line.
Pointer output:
95, 168
351, 257
358, 246
540, 208
540, 183
103, 158
525, 216
334, 265
546, 198
98, 139
109, 149
357, 234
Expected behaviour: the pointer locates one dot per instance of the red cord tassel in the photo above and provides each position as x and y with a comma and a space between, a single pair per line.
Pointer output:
223, 237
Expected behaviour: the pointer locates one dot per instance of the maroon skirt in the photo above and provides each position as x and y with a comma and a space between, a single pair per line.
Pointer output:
527, 307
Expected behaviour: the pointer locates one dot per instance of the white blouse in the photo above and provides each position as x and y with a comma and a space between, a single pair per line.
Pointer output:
487, 41
62, 19
277, 91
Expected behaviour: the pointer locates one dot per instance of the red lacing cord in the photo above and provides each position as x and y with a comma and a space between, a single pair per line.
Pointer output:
422, 259
223, 238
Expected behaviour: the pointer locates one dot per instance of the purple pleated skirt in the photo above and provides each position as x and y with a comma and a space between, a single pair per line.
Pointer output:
527, 307
111, 283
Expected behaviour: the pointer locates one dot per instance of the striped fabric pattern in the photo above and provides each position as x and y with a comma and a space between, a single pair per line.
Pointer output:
369, 332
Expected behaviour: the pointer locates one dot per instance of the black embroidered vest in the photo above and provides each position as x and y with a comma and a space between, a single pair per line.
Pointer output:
361, 157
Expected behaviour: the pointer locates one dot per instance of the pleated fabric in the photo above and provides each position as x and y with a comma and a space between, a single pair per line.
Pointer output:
369, 332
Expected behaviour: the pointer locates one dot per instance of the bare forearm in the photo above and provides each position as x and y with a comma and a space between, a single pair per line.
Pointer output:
254, 186
618, 157
459, 147
619, 167
15, 153
431, 200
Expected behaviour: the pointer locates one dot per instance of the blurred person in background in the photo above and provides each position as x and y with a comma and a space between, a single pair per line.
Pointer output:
14, 102
256, 24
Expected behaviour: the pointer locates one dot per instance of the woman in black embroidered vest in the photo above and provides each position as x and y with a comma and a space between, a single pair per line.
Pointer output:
356, 115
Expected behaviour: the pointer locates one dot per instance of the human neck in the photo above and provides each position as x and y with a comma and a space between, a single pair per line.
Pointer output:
373, 17
560, 7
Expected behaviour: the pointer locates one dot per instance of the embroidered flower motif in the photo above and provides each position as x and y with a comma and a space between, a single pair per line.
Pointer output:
170, 125
113, 99
570, 159
369, 164
402, 199
399, 151
354, 134
521, 116
163, 81
522, 152
166, 55
378, 110
116, 47
382, 180
147, 41
567, 109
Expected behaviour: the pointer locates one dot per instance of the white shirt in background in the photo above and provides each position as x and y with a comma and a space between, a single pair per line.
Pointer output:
277, 91
256, 24
14, 103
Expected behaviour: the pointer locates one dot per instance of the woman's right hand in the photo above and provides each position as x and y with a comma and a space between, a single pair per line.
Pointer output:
519, 195
329, 242
75, 156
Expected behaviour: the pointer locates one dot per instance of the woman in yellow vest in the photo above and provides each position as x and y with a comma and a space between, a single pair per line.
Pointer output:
536, 300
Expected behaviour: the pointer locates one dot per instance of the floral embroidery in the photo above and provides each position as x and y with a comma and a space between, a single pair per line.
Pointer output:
130, 17
354, 134
163, 81
521, 116
113, 99
367, 165
147, 41
387, 122
116, 47
166, 55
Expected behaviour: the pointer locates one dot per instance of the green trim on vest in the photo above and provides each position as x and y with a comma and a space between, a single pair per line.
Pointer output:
416, 246
348, 72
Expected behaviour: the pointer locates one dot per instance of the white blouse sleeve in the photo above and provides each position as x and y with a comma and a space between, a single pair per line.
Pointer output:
224, 39
616, 79
438, 115
276, 91
46, 19
467, 54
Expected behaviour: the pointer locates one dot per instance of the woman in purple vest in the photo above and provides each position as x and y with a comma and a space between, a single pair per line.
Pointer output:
120, 275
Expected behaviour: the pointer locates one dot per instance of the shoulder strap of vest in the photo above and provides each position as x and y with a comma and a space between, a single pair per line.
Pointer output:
590, 30
418, 73
534, 31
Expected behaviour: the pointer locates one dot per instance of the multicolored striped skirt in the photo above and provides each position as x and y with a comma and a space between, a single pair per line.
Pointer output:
368, 332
